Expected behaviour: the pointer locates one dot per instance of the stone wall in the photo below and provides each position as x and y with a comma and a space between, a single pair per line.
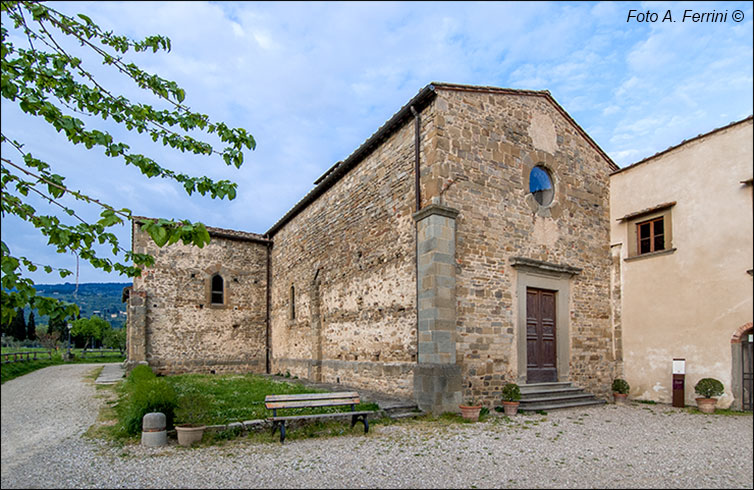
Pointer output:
350, 259
172, 324
484, 146
343, 290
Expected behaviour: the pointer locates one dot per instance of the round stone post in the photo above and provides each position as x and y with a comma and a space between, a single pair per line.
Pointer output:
153, 433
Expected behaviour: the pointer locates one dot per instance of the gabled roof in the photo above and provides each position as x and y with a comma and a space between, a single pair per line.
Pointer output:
684, 142
419, 101
537, 93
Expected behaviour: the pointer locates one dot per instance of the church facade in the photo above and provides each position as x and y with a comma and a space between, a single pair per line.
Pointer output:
464, 245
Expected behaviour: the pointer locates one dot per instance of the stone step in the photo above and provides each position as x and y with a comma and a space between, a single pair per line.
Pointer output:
399, 410
542, 397
553, 392
401, 407
551, 396
526, 388
555, 404
404, 415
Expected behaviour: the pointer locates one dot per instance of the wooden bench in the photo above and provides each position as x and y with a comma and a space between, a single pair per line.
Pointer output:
314, 400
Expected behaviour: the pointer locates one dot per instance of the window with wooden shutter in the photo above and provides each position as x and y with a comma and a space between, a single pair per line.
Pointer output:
651, 235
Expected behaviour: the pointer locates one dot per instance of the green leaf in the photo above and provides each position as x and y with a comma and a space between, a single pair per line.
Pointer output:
159, 235
87, 19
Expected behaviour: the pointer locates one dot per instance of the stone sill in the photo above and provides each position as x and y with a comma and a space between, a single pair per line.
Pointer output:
650, 254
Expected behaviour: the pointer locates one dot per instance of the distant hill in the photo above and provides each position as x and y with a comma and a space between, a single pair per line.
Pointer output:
93, 298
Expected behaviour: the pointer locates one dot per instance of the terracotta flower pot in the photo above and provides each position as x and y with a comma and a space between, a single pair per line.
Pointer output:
620, 397
706, 405
510, 408
470, 412
187, 434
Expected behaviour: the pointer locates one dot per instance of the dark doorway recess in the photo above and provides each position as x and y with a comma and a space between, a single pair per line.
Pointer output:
747, 356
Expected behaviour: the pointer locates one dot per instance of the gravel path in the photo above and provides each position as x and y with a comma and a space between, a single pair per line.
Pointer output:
634, 446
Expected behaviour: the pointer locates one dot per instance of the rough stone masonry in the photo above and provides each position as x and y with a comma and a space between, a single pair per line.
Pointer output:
367, 283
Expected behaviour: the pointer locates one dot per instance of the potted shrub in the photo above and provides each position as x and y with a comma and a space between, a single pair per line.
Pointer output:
470, 410
511, 395
620, 390
190, 416
708, 389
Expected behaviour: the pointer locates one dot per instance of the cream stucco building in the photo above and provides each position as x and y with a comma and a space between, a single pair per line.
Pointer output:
681, 240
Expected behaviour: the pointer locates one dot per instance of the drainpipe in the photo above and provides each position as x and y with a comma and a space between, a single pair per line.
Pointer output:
417, 142
267, 340
417, 194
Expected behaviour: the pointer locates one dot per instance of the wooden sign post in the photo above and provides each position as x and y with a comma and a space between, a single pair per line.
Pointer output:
679, 382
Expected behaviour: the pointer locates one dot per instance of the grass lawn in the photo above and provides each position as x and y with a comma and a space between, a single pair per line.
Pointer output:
232, 398
240, 397
12, 370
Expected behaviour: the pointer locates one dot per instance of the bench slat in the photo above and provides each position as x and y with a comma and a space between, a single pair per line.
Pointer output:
311, 396
311, 403
320, 415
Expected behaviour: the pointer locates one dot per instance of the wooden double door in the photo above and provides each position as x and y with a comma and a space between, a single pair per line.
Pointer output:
541, 330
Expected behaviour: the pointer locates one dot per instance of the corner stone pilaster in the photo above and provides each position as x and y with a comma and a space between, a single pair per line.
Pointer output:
437, 377
136, 335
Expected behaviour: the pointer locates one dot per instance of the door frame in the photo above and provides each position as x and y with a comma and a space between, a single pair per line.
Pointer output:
553, 277
539, 333
737, 368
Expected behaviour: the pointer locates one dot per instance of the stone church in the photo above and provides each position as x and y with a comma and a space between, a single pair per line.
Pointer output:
464, 245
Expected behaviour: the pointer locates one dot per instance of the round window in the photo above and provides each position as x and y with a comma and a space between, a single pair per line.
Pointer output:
540, 185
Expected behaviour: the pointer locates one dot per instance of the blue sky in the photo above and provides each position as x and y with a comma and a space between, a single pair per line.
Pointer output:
311, 81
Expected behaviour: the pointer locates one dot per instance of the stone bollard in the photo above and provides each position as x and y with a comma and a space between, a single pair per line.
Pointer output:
153, 433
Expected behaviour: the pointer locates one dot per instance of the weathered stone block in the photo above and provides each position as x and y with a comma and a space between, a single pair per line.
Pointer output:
437, 387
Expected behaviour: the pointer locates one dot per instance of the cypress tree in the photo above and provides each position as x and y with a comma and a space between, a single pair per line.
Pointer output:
31, 327
58, 326
18, 325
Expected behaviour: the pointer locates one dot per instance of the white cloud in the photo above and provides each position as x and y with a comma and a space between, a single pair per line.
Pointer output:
312, 81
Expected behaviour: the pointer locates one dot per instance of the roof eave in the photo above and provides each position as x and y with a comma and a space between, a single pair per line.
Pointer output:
682, 143
340, 169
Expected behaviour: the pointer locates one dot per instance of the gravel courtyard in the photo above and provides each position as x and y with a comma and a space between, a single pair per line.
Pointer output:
45, 413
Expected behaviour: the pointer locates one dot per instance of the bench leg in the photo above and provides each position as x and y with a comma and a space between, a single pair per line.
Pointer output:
360, 418
275, 425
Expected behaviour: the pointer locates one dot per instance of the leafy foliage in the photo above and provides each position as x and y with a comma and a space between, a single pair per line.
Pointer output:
709, 388
91, 328
621, 386
140, 373
55, 84
49, 340
193, 408
511, 392
145, 394
115, 339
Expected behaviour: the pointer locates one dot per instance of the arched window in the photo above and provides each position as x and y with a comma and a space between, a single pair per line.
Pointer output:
217, 291
540, 185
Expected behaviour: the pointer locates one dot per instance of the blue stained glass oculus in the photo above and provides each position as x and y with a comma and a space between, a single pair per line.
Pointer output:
540, 185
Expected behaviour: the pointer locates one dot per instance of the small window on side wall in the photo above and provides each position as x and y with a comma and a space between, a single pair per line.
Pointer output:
651, 235
293, 302
217, 291
650, 231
